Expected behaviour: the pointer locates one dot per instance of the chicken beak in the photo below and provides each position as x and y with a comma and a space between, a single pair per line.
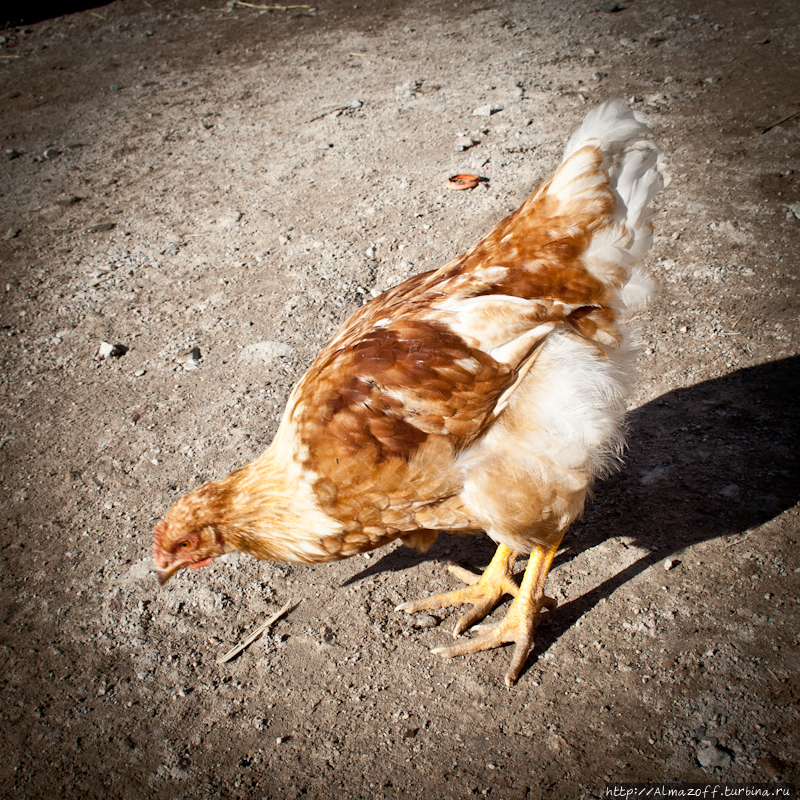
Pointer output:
165, 574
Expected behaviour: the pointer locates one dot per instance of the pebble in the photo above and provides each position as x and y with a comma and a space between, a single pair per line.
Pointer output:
171, 249
139, 373
107, 350
486, 111
51, 153
190, 359
463, 143
102, 227
11, 154
671, 563
12, 233
713, 756
425, 621
730, 492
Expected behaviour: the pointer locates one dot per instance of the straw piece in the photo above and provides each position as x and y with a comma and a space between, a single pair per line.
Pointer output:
256, 633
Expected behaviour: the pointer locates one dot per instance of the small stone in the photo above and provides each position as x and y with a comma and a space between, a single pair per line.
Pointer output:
486, 111
463, 143
611, 8
102, 227
139, 373
713, 756
794, 210
191, 356
425, 621
671, 563
11, 154
171, 249
598, 76
114, 87
12, 233
730, 492
51, 153
107, 350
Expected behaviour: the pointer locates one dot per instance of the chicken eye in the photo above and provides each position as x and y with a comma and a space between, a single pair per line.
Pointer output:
183, 544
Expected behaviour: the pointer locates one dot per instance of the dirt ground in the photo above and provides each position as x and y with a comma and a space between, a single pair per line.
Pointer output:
238, 180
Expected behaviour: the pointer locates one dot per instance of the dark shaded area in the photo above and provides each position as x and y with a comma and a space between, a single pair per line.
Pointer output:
710, 460
30, 13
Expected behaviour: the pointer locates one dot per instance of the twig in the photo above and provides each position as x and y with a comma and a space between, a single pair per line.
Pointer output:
737, 322
782, 120
255, 634
12, 56
99, 16
774, 675
266, 8
348, 107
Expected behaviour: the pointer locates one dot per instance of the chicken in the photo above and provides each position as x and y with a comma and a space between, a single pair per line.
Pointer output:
482, 397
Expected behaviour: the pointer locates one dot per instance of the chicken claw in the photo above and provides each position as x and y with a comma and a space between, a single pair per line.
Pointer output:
517, 626
484, 592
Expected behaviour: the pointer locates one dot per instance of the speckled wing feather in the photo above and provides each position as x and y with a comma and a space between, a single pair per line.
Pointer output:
417, 375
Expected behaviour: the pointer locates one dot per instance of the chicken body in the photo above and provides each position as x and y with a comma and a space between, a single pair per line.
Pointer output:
485, 396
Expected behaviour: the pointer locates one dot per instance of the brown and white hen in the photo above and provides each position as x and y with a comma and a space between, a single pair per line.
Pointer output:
485, 396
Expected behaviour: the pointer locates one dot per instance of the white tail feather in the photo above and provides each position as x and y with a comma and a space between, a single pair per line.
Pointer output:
629, 165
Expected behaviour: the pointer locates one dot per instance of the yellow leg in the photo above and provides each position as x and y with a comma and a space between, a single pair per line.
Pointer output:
484, 592
522, 618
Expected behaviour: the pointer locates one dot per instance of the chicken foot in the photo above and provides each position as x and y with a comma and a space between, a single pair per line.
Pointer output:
484, 593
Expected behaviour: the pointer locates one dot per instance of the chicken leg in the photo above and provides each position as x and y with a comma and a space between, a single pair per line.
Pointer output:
484, 594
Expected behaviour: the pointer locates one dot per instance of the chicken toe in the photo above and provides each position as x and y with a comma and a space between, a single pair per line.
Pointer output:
483, 592
520, 622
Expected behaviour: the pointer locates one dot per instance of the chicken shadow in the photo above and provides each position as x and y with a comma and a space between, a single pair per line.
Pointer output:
710, 460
